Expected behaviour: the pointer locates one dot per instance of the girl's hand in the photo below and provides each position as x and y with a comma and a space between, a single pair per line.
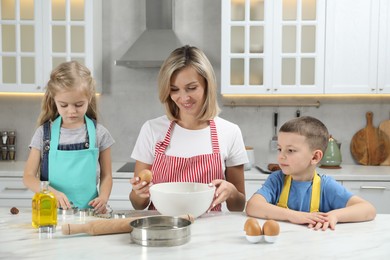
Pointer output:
141, 189
99, 205
62, 200
223, 191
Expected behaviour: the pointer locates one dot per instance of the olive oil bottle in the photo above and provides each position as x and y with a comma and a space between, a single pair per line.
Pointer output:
44, 209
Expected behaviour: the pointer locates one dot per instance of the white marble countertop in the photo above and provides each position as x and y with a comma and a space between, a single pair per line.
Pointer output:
346, 173
213, 236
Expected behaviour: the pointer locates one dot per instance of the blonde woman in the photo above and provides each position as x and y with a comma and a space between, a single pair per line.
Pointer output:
190, 143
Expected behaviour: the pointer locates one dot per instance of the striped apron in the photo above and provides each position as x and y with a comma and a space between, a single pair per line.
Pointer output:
202, 168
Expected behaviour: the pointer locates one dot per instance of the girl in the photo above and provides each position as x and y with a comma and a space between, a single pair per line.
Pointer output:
190, 143
69, 148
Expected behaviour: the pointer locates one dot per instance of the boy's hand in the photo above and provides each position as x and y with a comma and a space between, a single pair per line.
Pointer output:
330, 223
311, 218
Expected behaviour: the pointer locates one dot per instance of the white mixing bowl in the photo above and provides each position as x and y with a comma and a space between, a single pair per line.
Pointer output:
179, 198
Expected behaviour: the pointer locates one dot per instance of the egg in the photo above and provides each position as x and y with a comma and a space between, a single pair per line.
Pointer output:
271, 230
145, 175
252, 229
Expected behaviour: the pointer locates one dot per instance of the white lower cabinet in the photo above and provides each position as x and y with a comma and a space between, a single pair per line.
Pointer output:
378, 193
13, 193
251, 186
119, 198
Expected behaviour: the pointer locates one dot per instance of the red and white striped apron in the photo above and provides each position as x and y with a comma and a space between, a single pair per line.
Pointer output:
201, 168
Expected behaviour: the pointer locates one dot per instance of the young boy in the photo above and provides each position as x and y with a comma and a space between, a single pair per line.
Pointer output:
297, 193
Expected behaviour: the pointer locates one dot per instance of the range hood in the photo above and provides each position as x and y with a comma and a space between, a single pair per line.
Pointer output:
157, 41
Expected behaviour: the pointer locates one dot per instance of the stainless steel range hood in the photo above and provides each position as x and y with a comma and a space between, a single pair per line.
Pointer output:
157, 41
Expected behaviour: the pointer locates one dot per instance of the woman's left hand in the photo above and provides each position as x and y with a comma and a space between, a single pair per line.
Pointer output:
223, 191
99, 205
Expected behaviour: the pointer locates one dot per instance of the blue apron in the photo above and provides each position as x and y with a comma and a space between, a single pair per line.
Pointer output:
73, 172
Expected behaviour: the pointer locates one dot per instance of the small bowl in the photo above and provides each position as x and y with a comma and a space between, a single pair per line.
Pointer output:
270, 239
181, 198
254, 239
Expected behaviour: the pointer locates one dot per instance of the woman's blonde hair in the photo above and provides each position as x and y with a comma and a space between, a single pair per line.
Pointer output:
68, 76
183, 57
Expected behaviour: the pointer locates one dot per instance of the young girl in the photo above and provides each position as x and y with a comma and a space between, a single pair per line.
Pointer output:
69, 148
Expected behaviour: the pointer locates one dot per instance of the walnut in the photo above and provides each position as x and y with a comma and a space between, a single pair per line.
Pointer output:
14, 210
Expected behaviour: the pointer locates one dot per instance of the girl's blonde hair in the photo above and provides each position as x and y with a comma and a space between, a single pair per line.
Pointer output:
68, 76
183, 57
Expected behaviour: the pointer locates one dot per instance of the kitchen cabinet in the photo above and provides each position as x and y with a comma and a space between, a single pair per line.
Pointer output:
119, 198
36, 36
13, 193
272, 46
378, 193
357, 40
251, 187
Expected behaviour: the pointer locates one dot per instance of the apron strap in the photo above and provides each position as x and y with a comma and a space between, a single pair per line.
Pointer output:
44, 176
214, 137
315, 193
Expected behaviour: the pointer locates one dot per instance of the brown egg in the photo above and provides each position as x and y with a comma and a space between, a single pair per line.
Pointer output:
271, 228
145, 175
252, 227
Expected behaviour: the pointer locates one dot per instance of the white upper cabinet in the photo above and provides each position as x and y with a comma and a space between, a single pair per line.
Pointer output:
357, 47
384, 48
272, 46
352, 41
37, 35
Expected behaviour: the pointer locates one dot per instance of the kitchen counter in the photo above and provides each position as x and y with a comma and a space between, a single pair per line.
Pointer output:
213, 236
346, 173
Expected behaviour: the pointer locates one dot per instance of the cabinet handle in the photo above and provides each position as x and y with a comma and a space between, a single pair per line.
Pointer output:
372, 187
23, 189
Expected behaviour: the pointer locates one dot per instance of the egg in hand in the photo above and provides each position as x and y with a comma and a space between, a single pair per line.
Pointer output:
271, 230
253, 230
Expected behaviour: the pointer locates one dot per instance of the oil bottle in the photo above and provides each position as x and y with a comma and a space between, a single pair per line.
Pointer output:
44, 209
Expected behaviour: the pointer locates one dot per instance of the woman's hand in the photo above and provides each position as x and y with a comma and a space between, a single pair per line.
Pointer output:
140, 188
223, 191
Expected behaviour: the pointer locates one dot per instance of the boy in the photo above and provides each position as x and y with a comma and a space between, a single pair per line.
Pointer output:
297, 193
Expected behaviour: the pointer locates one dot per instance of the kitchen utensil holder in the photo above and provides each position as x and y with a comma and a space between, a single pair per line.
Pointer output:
8, 145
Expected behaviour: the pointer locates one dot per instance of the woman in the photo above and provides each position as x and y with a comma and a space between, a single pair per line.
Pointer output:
190, 143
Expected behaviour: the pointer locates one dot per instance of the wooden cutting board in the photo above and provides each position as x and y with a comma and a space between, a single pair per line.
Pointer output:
384, 126
370, 145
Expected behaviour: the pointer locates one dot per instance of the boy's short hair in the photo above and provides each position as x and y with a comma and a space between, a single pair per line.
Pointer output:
314, 130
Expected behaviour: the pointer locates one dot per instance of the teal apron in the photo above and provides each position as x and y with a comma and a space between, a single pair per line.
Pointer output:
73, 172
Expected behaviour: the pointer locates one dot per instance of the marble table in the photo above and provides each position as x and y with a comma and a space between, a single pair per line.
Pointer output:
214, 236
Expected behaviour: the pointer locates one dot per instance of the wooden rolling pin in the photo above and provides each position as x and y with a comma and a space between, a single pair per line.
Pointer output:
99, 227
105, 226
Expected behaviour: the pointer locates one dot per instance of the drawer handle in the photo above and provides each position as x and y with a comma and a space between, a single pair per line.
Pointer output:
23, 189
373, 187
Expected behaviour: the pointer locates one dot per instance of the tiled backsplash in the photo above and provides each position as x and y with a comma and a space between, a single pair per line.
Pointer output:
8, 141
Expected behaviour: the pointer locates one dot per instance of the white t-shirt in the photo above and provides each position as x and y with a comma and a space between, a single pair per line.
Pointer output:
188, 143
